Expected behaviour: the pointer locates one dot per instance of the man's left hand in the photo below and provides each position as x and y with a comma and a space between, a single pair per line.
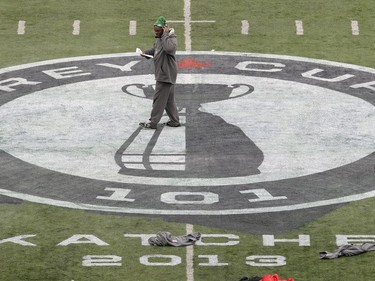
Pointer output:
166, 29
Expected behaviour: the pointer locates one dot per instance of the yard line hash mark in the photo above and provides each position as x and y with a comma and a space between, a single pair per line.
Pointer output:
355, 27
299, 27
132, 27
245, 27
21, 27
76, 27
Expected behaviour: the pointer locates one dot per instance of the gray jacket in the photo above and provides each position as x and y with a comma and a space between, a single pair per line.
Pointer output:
164, 52
348, 250
165, 238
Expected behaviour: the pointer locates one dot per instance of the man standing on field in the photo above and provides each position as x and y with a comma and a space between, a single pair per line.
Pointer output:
164, 56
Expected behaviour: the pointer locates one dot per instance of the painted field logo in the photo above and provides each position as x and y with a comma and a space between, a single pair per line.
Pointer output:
259, 134
201, 147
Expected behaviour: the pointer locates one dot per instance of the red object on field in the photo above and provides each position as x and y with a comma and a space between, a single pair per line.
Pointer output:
192, 63
274, 277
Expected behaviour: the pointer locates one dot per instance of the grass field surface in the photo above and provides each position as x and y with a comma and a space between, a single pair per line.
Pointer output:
42, 255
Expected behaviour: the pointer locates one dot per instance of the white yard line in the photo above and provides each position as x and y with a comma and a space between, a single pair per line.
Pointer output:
189, 257
187, 23
299, 27
355, 27
132, 27
192, 21
76, 27
21, 27
245, 27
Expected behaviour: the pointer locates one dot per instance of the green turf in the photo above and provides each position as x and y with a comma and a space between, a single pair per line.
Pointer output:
52, 225
327, 30
104, 29
47, 261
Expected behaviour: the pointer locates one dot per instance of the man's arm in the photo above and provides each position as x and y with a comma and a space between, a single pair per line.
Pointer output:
169, 41
150, 52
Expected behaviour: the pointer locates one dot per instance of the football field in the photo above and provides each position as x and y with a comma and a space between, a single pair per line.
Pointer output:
274, 162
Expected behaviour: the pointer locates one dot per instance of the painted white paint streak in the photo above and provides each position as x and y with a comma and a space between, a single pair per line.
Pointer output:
299, 27
192, 21
355, 27
21, 27
187, 24
203, 21
245, 27
76, 27
132, 27
189, 257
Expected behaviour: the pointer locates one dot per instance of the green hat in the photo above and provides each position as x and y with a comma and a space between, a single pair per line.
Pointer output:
160, 22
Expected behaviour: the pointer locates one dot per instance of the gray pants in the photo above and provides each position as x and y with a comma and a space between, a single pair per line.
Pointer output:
164, 100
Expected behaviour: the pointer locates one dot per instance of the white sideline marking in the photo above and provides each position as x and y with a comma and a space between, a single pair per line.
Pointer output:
187, 16
189, 257
245, 27
21, 27
355, 27
299, 27
76, 27
132, 27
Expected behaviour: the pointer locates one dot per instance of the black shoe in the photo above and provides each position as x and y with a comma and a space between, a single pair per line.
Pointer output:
170, 124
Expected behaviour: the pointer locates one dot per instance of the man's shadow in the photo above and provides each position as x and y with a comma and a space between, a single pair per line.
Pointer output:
214, 148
